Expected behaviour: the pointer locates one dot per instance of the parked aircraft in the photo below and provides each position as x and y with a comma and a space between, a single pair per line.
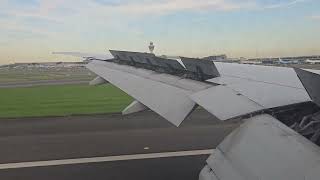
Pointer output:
279, 108
313, 61
285, 61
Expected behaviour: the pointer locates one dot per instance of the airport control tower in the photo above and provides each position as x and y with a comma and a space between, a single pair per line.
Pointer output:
151, 47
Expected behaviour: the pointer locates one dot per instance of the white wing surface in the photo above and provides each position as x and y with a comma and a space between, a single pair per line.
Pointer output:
268, 86
282, 76
225, 103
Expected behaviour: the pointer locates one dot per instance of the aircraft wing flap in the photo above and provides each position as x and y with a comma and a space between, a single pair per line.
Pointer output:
268, 95
169, 101
282, 76
225, 103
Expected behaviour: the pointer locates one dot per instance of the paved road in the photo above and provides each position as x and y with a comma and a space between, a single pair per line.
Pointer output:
56, 138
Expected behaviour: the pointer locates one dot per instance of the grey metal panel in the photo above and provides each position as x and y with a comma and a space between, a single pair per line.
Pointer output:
314, 173
225, 103
225, 80
311, 82
169, 63
147, 58
270, 95
144, 58
265, 94
177, 59
170, 102
207, 67
269, 74
120, 55
262, 149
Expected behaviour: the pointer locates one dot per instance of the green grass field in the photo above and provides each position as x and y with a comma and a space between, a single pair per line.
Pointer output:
61, 100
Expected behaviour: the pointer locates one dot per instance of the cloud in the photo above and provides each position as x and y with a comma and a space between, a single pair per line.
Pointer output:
51, 10
98, 12
283, 4
172, 6
46, 16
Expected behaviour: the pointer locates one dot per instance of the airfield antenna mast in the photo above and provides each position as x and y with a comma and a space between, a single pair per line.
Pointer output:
151, 47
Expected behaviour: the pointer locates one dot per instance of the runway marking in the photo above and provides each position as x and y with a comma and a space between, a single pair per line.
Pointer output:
104, 159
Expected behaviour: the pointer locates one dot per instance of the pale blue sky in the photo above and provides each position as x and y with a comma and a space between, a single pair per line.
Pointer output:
31, 29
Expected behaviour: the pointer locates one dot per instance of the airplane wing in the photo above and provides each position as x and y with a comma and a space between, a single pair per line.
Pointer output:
263, 147
225, 90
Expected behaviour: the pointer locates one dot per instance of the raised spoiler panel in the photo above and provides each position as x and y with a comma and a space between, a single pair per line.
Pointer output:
143, 58
203, 69
148, 61
263, 149
160, 95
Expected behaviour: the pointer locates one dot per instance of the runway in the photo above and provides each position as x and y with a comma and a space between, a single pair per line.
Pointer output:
139, 146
